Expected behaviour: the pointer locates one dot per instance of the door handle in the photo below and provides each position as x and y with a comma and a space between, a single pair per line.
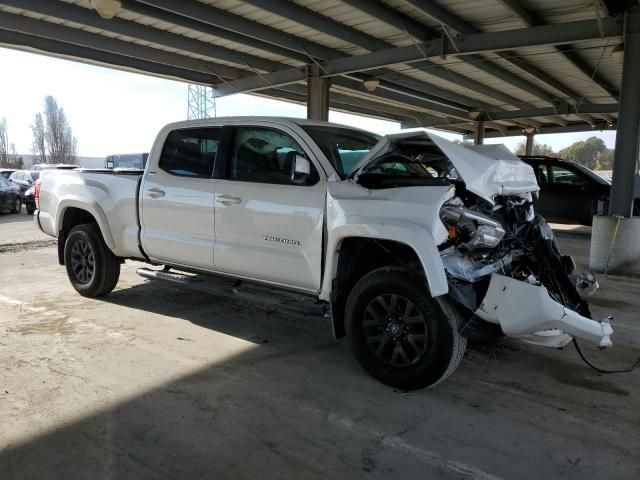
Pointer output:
228, 200
155, 192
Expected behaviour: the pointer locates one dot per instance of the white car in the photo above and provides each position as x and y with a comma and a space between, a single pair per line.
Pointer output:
409, 243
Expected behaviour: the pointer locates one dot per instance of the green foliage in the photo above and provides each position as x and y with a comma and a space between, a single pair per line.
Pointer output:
591, 153
538, 149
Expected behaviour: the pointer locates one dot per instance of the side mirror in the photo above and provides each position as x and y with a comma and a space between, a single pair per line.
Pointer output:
300, 171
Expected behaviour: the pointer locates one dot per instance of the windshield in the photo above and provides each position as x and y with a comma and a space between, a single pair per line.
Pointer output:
591, 174
343, 147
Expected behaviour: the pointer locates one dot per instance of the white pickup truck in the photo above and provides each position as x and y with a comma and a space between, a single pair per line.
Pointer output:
409, 243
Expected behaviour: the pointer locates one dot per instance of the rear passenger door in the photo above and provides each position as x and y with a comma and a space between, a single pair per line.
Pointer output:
267, 227
177, 199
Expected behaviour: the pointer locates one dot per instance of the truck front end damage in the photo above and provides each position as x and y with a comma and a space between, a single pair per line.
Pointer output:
502, 261
504, 266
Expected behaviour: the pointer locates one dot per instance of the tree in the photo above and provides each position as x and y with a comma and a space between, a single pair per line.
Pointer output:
585, 152
538, 149
39, 147
61, 145
8, 156
4, 143
15, 161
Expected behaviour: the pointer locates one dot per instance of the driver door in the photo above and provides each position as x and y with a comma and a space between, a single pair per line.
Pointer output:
267, 226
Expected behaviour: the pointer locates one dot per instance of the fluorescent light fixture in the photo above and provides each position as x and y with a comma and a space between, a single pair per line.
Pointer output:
371, 83
106, 8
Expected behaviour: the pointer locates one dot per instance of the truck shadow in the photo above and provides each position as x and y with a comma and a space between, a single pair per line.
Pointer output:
296, 405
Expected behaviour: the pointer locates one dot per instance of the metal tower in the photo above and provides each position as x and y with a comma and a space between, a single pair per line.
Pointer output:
200, 102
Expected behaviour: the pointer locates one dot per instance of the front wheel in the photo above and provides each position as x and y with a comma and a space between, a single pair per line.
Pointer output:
92, 268
401, 335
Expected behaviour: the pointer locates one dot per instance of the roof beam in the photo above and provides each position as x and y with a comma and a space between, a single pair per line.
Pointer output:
209, 29
530, 19
598, 108
304, 16
21, 41
575, 127
336, 105
84, 16
200, 18
235, 23
26, 25
484, 42
447, 19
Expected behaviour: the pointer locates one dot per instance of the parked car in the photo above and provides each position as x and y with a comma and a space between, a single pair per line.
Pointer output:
9, 196
6, 172
54, 166
25, 180
570, 192
405, 260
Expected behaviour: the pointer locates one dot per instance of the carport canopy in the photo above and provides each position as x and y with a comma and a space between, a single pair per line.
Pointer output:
483, 68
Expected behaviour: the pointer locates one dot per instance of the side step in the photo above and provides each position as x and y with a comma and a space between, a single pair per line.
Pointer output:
269, 296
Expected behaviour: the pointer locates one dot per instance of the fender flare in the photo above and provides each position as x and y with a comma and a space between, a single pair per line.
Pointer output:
90, 206
415, 236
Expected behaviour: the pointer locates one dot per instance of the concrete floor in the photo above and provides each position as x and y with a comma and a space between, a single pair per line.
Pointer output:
157, 382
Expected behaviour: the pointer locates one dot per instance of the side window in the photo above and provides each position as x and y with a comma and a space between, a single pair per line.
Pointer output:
564, 177
542, 174
265, 155
190, 152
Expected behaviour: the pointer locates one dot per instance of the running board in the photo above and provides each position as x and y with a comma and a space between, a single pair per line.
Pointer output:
268, 296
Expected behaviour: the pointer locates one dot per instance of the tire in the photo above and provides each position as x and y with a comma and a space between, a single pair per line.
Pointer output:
17, 206
92, 268
30, 210
432, 346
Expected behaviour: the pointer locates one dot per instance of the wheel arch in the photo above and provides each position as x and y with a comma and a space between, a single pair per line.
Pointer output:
351, 256
72, 213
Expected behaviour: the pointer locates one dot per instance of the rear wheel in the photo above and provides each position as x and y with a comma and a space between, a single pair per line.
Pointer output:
17, 205
30, 210
92, 268
401, 335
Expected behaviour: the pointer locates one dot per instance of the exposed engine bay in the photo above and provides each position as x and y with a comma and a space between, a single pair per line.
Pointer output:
502, 261
507, 239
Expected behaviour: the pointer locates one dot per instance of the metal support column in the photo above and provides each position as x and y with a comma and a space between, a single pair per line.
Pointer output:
530, 136
626, 153
478, 133
317, 94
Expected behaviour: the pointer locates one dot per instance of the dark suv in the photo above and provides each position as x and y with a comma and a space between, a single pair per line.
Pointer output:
569, 192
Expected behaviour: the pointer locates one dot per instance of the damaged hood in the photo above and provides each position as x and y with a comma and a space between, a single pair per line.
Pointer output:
487, 170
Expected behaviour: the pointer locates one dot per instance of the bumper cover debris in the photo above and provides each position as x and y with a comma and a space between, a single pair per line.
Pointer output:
527, 311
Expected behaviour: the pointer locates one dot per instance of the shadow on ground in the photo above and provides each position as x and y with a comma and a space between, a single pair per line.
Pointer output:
298, 406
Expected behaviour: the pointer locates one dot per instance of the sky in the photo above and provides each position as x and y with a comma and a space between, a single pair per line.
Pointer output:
113, 111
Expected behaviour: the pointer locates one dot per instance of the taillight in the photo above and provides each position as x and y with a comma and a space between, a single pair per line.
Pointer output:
36, 193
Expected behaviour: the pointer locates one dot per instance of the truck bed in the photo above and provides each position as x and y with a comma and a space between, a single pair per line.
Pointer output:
110, 196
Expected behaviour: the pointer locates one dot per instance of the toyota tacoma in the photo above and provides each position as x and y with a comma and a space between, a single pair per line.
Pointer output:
409, 243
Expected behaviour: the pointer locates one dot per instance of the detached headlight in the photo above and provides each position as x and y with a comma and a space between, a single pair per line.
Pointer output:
472, 229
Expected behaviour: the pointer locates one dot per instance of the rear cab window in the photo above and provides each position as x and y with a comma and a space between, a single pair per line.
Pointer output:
190, 152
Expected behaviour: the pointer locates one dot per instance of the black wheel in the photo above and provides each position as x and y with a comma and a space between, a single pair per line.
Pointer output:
30, 210
92, 268
17, 206
401, 335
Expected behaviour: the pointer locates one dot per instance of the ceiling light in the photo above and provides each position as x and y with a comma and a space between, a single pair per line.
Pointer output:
474, 114
106, 8
618, 52
371, 83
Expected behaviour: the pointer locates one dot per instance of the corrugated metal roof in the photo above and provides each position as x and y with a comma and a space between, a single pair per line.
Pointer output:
470, 80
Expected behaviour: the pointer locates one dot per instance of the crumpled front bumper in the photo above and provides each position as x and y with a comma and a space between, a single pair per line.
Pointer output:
528, 312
